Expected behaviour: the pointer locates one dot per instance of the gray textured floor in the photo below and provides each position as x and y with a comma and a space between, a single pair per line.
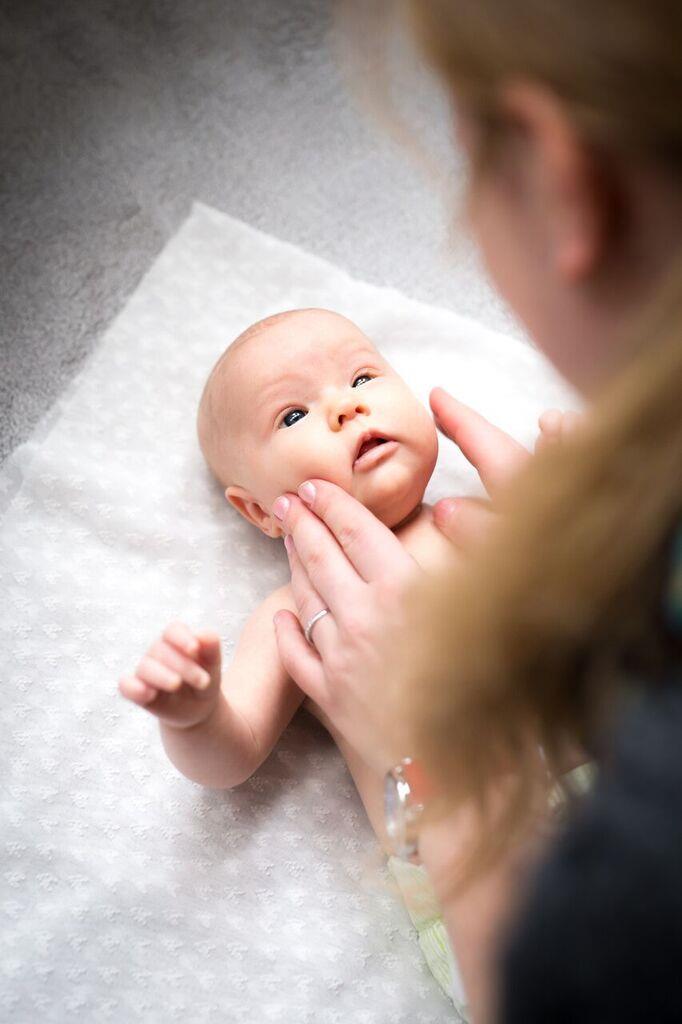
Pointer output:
116, 114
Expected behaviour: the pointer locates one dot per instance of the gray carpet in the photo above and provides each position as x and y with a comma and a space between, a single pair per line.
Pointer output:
116, 114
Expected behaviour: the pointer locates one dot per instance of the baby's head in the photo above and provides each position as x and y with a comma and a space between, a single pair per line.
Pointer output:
305, 394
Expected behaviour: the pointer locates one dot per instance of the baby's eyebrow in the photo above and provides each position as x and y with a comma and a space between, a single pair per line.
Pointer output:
279, 383
272, 394
369, 354
270, 390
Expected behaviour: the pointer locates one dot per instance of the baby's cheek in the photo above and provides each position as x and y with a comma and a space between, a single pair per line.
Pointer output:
324, 464
426, 435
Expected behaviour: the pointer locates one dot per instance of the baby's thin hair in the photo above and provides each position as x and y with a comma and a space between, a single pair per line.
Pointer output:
246, 335
261, 325
207, 419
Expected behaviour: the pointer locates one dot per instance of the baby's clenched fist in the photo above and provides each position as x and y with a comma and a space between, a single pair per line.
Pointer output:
178, 679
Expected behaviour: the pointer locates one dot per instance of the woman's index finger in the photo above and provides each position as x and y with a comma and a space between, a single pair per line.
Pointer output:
370, 546
495, 455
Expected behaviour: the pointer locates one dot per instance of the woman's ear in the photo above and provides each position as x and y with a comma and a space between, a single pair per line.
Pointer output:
575, 204
253, 511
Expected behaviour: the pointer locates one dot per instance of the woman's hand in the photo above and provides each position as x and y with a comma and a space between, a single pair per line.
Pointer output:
344, 559
478, 913
494, 455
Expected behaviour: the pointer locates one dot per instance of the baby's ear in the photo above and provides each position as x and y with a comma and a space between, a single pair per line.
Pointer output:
253, 511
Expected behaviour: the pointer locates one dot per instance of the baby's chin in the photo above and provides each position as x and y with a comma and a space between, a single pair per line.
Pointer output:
390, 497
395, 510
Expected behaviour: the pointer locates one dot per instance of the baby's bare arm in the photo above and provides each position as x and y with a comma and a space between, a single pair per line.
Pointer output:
256, 702
217, 728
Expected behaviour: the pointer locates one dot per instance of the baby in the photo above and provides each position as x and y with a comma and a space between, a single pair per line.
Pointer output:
300, 395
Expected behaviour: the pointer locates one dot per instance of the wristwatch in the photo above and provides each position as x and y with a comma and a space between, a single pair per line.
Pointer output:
406, 790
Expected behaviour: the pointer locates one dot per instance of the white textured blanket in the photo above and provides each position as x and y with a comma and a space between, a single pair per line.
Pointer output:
127, 892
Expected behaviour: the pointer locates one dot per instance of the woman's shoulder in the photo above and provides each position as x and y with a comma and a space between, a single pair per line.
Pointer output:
601, 934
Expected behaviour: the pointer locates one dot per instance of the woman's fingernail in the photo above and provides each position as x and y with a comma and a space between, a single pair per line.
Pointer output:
306, 492
281, 507
289, 543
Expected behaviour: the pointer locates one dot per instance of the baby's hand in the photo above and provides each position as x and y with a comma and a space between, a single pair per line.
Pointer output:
555, 426
178, 679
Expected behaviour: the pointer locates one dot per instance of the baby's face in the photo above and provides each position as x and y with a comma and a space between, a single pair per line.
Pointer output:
310, 396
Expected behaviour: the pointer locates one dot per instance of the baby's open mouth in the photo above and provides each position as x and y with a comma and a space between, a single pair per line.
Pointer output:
367, 446
367, 454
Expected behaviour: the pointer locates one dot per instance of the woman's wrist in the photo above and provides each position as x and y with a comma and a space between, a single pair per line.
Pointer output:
476, 908
442, 846
452, 844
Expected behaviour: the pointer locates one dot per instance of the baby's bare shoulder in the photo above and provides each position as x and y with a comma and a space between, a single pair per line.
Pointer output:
425, 542
259, 628
281, 598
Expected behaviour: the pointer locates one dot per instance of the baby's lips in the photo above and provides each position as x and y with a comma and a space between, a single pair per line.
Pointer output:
369, 440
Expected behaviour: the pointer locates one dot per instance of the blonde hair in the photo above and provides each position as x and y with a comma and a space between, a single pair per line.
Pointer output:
565, 599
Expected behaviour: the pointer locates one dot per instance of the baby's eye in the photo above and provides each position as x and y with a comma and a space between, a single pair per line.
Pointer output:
293, 416
362, 378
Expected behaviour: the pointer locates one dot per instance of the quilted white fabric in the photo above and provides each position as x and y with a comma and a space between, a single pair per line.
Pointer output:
129, 893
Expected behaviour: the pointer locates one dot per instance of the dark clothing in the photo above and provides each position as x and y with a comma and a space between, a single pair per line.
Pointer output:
600, 937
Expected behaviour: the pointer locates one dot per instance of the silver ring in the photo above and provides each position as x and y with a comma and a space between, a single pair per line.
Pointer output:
311, 625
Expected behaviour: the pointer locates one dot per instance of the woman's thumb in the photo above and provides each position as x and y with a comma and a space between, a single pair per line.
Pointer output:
464, 521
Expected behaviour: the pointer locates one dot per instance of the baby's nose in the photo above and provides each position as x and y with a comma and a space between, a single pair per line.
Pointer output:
346, 409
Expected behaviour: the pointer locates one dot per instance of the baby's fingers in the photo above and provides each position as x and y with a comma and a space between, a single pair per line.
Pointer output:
157, 675
179, 664
135, 690
180, 636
